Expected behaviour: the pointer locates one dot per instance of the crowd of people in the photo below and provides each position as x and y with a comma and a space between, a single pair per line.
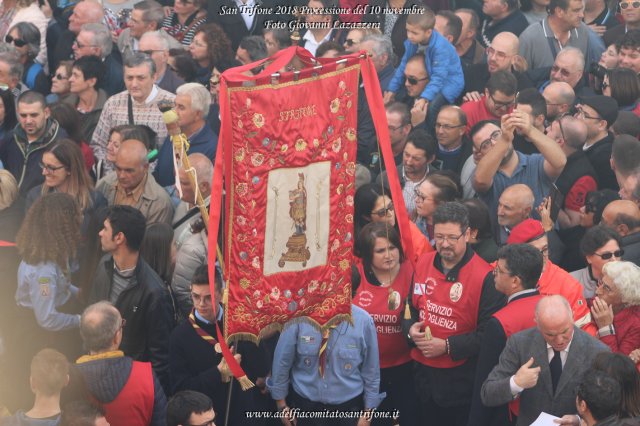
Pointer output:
514, 131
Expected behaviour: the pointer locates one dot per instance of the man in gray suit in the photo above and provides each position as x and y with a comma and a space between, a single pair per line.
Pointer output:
543, 365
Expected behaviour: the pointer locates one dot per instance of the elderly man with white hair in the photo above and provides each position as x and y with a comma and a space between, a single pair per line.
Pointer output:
154, 44
192, 107
382, 57
95, 39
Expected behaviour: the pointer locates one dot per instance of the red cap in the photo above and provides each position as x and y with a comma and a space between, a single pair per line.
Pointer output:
526, 231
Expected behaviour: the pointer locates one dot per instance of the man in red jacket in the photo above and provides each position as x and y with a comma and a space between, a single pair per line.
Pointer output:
127, 390
554, 280
450, 302
516, 275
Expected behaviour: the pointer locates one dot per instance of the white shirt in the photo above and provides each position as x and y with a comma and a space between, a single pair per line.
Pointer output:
311, 44
245, 11
515, 389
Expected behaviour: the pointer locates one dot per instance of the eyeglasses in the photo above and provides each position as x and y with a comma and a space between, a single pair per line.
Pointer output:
393, 129
16, 41
502, 105
564, 72
420, 196
498, 54
625, 5
82, 46
413, 81
585, 115
150, 51
383, 212
487, 142
448, 238
60, 77
447, 127
560, 124
49, 168
608, 255
604, 286
497, 271
350, 42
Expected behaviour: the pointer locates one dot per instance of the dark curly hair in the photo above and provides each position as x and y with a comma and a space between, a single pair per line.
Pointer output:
51, 230
218, 44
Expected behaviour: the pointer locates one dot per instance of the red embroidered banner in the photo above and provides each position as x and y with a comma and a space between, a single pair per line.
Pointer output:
290, 175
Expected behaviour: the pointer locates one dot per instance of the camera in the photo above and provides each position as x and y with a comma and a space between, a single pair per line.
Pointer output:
597, 70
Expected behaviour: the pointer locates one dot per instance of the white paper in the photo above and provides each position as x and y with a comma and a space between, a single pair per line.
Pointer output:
545, 419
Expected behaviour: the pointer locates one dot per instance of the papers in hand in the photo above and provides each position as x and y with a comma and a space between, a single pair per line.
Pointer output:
545, 419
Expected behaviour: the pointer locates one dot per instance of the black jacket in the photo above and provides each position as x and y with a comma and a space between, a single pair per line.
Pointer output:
146, 310
599, 155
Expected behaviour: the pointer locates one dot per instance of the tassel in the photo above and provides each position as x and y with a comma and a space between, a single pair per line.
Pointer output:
407, 311
225, 296
245, 383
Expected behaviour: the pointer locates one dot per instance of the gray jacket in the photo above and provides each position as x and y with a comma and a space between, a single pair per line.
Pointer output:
530, 343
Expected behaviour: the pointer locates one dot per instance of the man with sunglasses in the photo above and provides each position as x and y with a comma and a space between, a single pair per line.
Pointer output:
154, 44
568, 67
630, 12
127, 390
599, 113
623, 216
578, 177
498, 99
452, 298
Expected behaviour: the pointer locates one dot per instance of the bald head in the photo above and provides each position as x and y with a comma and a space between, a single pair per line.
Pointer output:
623, 216
506, 42
573, 132
515, 205
204, 176
85, 12
133, 149
555, 321
131, 164
559, 97
99, 327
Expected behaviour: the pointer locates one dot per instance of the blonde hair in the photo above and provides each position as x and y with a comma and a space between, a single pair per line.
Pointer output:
8, 189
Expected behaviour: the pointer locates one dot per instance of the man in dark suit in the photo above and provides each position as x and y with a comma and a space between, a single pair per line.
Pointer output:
543, 365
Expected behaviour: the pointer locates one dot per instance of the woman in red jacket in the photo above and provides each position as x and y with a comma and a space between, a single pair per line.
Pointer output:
616, 307
382, 281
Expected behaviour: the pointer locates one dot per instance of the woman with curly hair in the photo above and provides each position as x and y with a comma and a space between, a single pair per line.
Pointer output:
210, 47
48, 241
64, 171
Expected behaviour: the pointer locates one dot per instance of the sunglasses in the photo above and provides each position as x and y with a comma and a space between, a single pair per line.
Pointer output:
383, 212
16, 41
413, 81
635, 5
350, 42
608, 255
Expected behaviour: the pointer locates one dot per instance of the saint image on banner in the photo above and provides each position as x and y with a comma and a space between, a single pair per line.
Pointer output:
297, 222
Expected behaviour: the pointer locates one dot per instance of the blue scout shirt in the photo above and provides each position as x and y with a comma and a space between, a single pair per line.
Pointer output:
352, 364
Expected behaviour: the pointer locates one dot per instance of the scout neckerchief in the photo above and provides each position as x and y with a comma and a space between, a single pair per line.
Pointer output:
323, 349
206, 336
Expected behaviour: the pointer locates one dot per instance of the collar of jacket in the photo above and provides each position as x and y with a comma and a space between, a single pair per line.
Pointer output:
452, 275
49, 134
